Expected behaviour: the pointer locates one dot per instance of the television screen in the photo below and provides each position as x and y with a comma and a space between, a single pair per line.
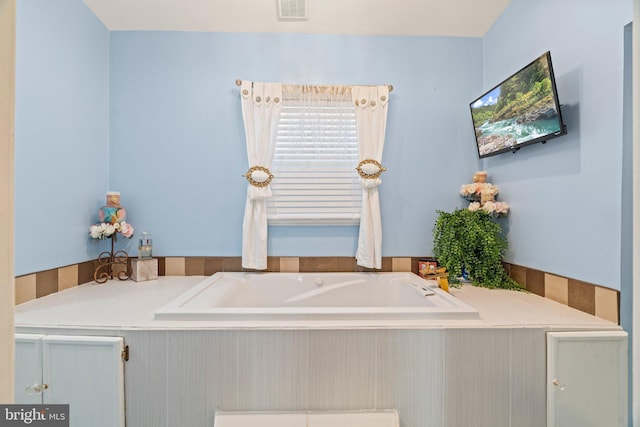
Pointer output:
521, 110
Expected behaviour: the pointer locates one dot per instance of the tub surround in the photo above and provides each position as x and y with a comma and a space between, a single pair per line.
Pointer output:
434, 372
590, 298
119, 305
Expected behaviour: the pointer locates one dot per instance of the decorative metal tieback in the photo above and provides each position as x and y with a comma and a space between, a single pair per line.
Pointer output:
370, 169
259, 176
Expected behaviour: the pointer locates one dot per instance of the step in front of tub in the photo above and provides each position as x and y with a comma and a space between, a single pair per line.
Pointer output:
386, 418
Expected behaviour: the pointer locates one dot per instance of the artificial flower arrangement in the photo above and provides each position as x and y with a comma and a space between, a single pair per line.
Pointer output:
494, 209
473, 192
105, 230
482, 194
112, 217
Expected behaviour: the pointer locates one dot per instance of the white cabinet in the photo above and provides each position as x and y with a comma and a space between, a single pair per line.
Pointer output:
85, 372
28, 368
587, 379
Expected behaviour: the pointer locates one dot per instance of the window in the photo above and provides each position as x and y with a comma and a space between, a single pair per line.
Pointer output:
314, 162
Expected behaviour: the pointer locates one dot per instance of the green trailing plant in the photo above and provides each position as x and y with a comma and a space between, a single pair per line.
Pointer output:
473, 241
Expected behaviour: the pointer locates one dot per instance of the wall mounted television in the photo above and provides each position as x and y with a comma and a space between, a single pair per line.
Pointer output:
522, 110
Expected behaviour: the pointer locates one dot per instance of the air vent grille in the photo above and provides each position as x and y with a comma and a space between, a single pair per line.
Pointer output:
292, 9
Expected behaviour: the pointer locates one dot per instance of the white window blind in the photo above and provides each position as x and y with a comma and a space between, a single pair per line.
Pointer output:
314, 163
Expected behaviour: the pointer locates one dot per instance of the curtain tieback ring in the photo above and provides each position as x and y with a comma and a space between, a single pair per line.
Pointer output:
370, 169
259, 176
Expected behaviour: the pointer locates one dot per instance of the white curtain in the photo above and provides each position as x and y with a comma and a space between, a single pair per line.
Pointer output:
261, 105
371, 121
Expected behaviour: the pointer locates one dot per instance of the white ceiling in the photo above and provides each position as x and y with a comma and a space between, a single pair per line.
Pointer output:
456, 18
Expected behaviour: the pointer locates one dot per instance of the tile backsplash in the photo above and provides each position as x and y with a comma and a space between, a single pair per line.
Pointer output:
587, 297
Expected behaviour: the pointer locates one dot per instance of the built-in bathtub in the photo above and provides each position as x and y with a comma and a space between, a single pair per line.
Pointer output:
433, 372
315, 296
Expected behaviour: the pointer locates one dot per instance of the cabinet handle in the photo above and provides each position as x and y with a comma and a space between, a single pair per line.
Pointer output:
36, 389
558, 384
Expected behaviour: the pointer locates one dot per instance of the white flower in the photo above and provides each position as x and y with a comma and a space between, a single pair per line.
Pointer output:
489, 207
109, 229
104, 230
474, 206
95, 232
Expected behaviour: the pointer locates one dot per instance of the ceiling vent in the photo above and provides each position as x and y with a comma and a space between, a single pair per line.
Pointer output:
292, 10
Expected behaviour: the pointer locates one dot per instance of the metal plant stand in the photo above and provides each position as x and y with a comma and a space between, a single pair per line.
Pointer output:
107, 260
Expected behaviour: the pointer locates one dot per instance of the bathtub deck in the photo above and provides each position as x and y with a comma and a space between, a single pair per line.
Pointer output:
436, 373
124, 305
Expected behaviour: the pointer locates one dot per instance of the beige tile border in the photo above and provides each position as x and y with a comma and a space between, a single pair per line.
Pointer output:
67, 277
607, 304
289, 264
174, 266
556, 288
401, 264
25, 288
602, 302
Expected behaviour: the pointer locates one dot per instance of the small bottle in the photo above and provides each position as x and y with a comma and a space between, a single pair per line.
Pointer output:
144, 246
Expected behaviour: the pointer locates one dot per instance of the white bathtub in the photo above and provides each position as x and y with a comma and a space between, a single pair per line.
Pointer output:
315, 296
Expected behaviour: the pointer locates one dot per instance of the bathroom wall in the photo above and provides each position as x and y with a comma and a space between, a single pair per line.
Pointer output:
177, 139
566, 194
156, 116
61, 132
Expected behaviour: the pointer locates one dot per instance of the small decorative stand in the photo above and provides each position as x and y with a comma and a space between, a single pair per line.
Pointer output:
145, 267
112, 264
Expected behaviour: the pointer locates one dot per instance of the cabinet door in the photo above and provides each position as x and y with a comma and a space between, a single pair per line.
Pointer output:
88, 374
28, 369
587, 379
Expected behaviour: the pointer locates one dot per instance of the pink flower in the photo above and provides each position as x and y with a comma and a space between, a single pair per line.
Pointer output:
126, 229
502, 207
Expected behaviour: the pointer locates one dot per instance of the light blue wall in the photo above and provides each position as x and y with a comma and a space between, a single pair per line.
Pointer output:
177, 140
155, 115
566, 194
61, 132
